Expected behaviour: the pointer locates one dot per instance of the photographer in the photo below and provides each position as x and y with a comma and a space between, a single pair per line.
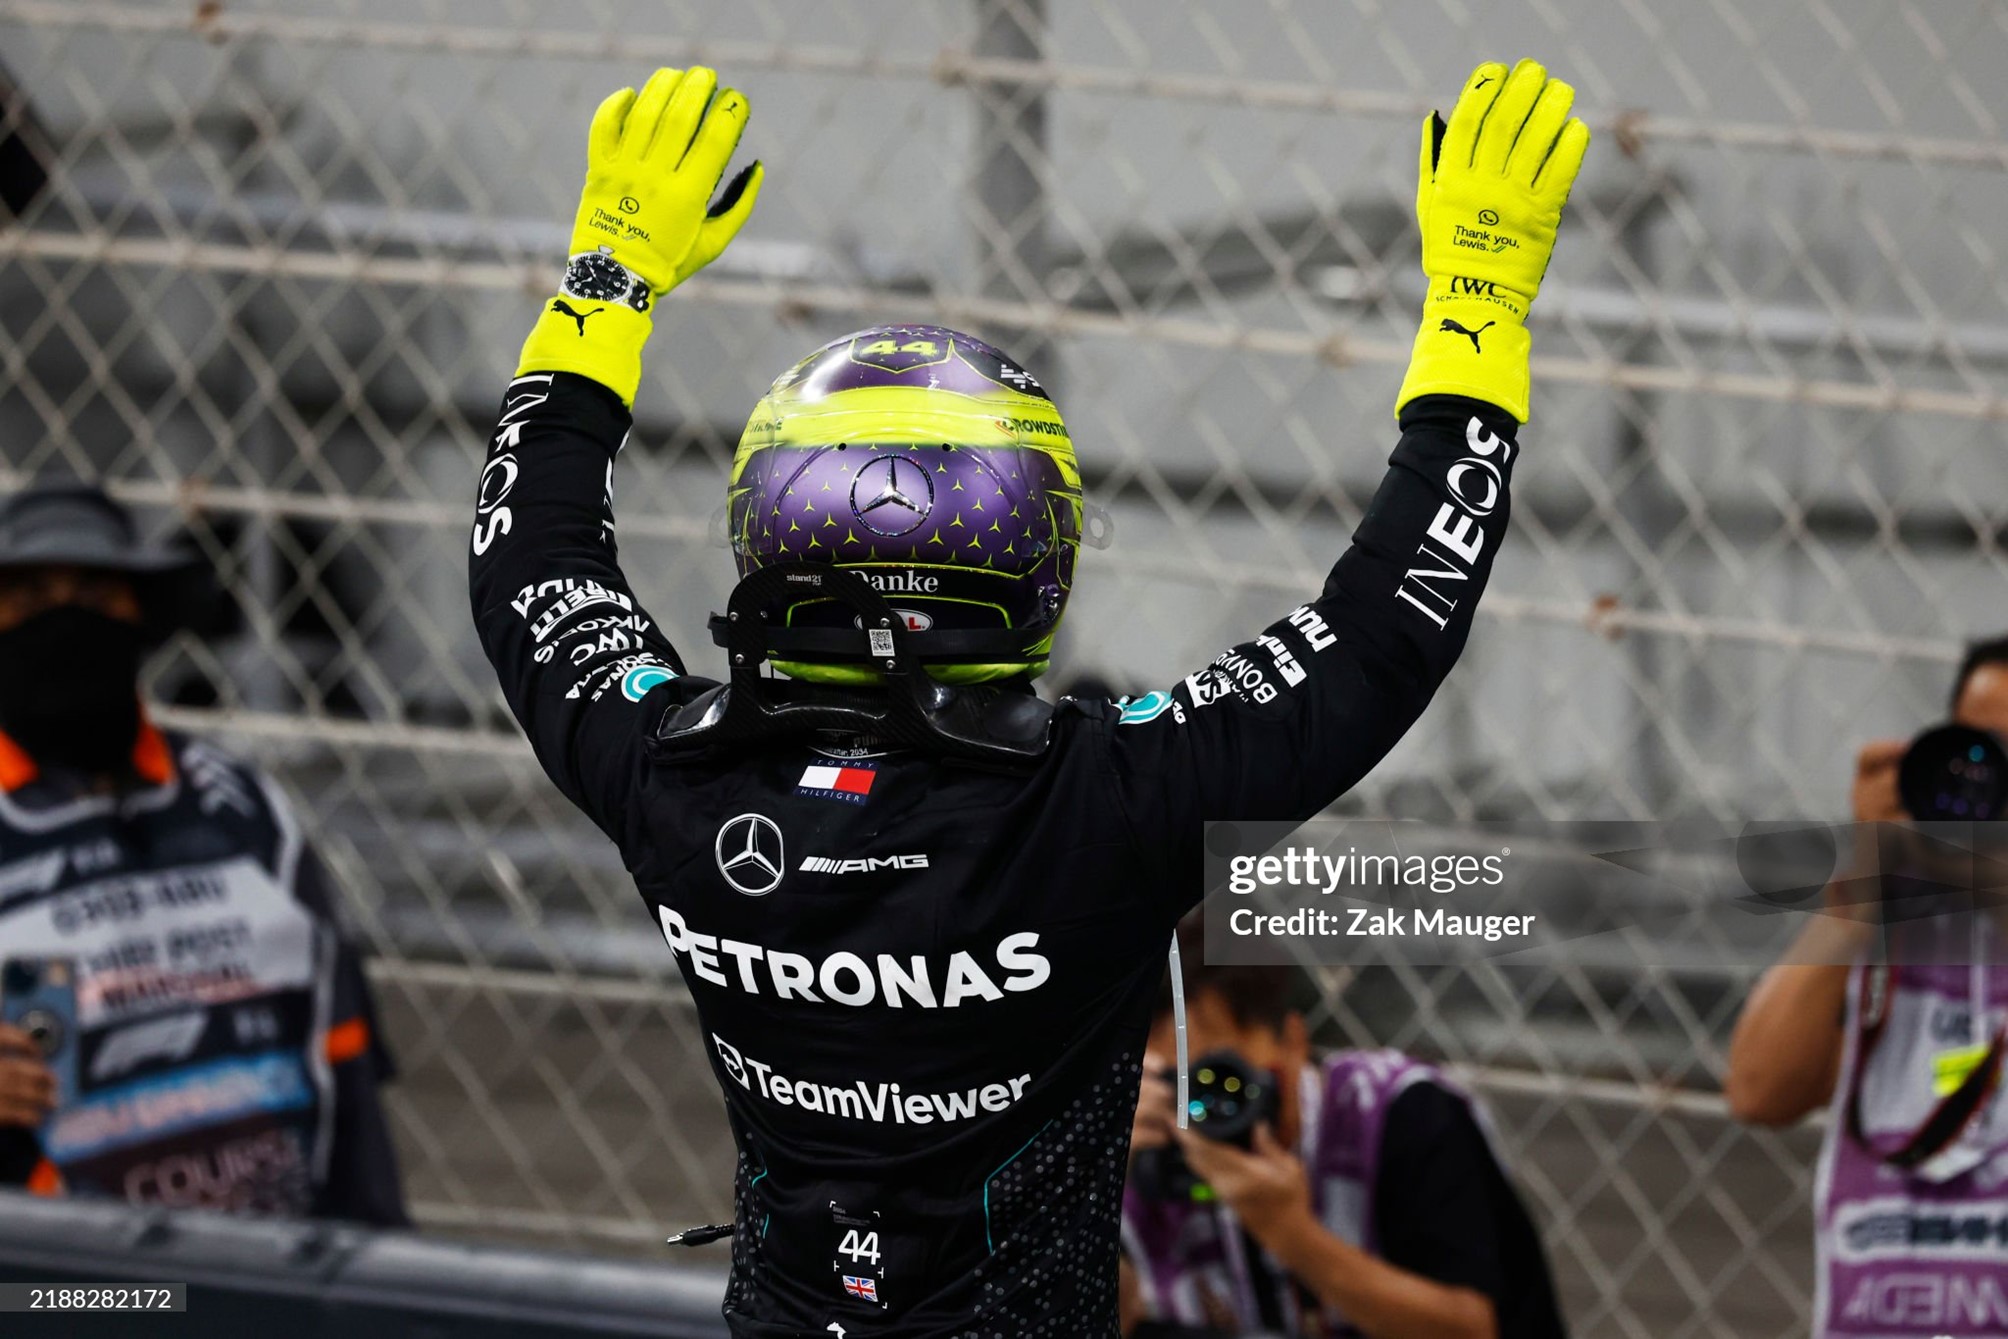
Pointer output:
1868, 1013
1367, 1201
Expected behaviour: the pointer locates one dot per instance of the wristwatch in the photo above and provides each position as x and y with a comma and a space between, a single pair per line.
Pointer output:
596, 275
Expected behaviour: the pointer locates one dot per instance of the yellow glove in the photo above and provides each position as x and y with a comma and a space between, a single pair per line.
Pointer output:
1493, 182
646, 221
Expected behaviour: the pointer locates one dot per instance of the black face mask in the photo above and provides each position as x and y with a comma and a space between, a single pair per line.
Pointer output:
69, 688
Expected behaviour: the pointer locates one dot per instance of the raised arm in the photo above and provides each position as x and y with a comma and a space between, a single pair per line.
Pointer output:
1279, 727
574, 649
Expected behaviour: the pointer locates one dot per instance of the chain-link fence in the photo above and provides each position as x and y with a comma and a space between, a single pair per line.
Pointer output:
270, 261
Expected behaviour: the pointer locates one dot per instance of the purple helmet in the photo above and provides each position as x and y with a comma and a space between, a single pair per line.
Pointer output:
936, 467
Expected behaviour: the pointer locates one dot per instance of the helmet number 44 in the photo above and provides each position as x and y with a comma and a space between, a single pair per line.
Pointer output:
927, 348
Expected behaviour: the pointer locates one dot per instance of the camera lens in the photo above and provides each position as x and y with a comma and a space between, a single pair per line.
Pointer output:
1954, 774
1228, 1098
45, 1030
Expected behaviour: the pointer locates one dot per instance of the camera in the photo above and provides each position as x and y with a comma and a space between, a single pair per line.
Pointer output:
1954, 773
1228, 1098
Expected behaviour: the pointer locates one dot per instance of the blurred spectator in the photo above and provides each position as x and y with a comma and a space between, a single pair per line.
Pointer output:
1902, 1040
223, 1051
1372, 1204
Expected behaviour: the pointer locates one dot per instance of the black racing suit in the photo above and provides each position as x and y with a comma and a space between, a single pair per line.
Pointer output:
924, 987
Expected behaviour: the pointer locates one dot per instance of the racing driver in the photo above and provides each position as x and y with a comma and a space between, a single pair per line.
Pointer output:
921, 912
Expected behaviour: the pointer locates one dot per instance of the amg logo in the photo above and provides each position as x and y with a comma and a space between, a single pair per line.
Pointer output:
1477, 483
903, 583
822, 864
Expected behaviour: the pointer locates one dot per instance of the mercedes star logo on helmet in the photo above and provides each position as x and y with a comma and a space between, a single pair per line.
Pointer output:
750, 854
892, 495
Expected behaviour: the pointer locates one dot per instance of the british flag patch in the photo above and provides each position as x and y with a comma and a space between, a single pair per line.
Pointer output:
860, 1287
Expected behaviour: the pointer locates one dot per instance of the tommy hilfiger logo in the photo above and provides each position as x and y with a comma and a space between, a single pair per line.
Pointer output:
823, 864
849, 781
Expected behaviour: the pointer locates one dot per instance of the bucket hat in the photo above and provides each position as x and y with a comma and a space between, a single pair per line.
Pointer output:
76, 524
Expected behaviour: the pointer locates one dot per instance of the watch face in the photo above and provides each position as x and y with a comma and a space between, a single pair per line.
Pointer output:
598, 277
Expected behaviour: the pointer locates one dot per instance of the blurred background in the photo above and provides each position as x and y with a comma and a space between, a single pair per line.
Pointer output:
269, 263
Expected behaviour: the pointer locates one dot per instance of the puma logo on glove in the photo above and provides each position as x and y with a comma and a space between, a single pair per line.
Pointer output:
564, 308
1452, 327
